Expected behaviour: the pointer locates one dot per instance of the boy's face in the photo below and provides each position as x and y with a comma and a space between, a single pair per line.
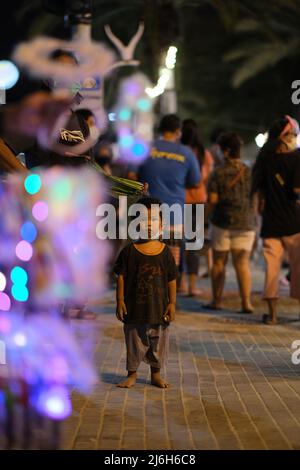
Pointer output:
152, 224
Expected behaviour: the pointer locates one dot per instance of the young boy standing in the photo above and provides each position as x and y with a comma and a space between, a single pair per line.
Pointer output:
146, 298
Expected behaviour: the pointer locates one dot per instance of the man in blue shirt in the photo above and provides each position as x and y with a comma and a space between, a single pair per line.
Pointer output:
170, 168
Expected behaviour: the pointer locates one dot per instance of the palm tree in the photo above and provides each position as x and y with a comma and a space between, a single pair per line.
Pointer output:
265, 34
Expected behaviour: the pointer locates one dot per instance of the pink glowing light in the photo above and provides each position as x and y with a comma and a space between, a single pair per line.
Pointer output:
5, 324
24, 250
40, 211
5, 302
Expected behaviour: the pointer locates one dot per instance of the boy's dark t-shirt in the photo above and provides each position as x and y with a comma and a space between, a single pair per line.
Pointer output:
281, 215
146, 279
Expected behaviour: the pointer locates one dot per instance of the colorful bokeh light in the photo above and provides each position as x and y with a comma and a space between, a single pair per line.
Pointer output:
20, 293
33, 184
40, 211
24, 251
125, 114
20, 339
2, 281
54, 403
19, 276
144, 105
5, 302
28, 232
9, 74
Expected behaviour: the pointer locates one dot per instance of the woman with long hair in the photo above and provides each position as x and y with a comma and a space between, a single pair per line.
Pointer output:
276, 188
197, 195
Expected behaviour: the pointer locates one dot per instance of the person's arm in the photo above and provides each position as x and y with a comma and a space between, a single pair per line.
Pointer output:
121, 307
170, 310
193, 176
131, 175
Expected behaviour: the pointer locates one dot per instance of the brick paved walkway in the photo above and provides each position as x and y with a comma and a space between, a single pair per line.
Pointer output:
233, 386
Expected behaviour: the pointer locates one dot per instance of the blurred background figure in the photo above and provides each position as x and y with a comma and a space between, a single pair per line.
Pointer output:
232, 221
276, 187
197, 195
215, 148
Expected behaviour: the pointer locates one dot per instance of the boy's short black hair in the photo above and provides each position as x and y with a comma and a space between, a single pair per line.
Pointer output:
231, 142
169, 123
148, 202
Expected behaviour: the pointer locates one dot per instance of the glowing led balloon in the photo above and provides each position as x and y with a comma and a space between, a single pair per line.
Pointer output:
20, 293
24, 251
54, 403
19, 276
33, 184
28, 232
134, 119
40, 211
9, 74
5, 302
2, 281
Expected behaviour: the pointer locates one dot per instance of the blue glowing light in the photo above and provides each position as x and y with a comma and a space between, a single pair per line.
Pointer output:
125, 114
33, 184
28, 232
9, 74
126, 141
20, 292
144, 105
19, 276
139, 149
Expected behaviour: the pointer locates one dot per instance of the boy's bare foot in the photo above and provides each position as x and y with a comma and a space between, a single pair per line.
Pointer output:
157, 381
129, 382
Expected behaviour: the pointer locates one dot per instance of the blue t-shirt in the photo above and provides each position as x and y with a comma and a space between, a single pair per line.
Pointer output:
170, 168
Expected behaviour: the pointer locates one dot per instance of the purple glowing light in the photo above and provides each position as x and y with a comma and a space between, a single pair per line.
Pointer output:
24, 250
40, 211
5, 324
5, 302
54, 403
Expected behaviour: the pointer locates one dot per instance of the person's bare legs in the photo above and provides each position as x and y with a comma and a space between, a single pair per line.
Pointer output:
218, 276
241, 263
193, 290
156, 379
209, 260
271, 318
130, 381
